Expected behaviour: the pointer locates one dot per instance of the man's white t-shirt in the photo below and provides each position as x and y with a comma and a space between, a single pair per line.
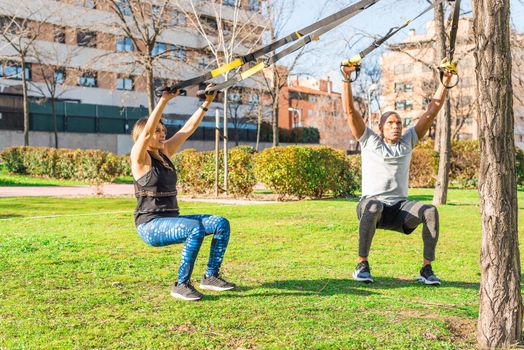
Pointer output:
385, 167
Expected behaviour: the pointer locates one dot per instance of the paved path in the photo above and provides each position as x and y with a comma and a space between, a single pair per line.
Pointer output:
109, 190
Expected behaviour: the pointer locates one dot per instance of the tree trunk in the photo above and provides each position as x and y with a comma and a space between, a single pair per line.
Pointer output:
259, 125
55, 126
150, 88
500, 316
443, 135
25, 101
276, 96
226, 140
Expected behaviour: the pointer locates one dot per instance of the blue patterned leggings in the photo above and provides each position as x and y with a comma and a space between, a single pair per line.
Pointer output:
190, 230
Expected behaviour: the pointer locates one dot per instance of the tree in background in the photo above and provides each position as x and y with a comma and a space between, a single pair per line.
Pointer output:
20, 35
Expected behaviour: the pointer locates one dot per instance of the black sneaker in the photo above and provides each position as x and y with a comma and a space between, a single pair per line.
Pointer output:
427, 276
362, 272
216, 283
185, 291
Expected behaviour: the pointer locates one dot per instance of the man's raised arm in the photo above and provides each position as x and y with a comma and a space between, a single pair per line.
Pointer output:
355, 121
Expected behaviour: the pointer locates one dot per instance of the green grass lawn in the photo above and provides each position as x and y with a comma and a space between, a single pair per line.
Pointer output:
75, 275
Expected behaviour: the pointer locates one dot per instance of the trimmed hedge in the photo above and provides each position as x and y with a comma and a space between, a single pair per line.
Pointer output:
299, 171
307, 171
464, 167
196, 171
89, 165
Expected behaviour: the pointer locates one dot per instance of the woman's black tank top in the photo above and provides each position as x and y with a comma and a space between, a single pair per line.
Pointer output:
156, 192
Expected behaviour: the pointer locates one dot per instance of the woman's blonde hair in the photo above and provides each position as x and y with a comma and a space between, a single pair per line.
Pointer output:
135, 133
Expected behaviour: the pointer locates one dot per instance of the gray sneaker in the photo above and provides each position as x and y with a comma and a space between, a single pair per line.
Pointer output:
427, 276
185, 291
362, 272
216, 283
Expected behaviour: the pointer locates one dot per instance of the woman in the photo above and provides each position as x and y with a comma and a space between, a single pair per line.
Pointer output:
157, 214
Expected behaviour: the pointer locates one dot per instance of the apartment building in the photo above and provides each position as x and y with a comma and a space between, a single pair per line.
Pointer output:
311, 102
409, 81
91, 58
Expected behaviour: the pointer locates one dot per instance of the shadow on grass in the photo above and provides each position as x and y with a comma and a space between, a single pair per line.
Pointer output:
347, 286
331, 286
9, 216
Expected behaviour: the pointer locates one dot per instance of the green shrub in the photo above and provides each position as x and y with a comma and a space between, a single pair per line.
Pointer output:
306, 171
13, 158
424, 165
519, 167
196, 171
465, 164
241, 166
92, 165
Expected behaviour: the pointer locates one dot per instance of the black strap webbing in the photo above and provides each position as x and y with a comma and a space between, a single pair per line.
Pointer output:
452, 41
345, 14
351, 11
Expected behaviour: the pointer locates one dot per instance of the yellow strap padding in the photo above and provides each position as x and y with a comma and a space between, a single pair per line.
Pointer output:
353, 61
246, 74
226, 67
452, 67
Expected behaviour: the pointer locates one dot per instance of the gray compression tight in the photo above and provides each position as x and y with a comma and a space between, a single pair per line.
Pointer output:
403, 217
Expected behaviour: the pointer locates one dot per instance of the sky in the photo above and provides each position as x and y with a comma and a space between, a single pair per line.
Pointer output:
376, 20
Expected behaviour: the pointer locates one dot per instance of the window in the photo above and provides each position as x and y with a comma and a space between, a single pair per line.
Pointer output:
59, 77
202, 62
124, 45
59, 35
402, 68
123, 6
87, 80
409, 105
155, 10
310, 113
14, 71
159, 49
210, 22
87, 39
253, 5
400, 105
124, 84
403, 87
179, 53
254, 99
178, 18
230, 2
408, 87
406, 122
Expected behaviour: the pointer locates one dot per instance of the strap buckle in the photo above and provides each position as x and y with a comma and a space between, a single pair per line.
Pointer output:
449, 67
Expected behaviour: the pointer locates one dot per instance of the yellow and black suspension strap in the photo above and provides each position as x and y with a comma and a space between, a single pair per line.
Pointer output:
345, 14
355, 60
315, 35
451, 66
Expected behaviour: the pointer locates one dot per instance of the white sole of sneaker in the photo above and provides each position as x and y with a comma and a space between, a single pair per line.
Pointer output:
422, 279
180, 296
359, 279
215, 288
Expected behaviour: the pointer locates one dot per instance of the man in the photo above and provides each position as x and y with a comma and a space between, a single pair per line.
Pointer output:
385, 173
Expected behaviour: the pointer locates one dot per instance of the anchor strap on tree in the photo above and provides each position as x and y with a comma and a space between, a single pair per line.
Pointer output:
449, 65
303, 36
355, 60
